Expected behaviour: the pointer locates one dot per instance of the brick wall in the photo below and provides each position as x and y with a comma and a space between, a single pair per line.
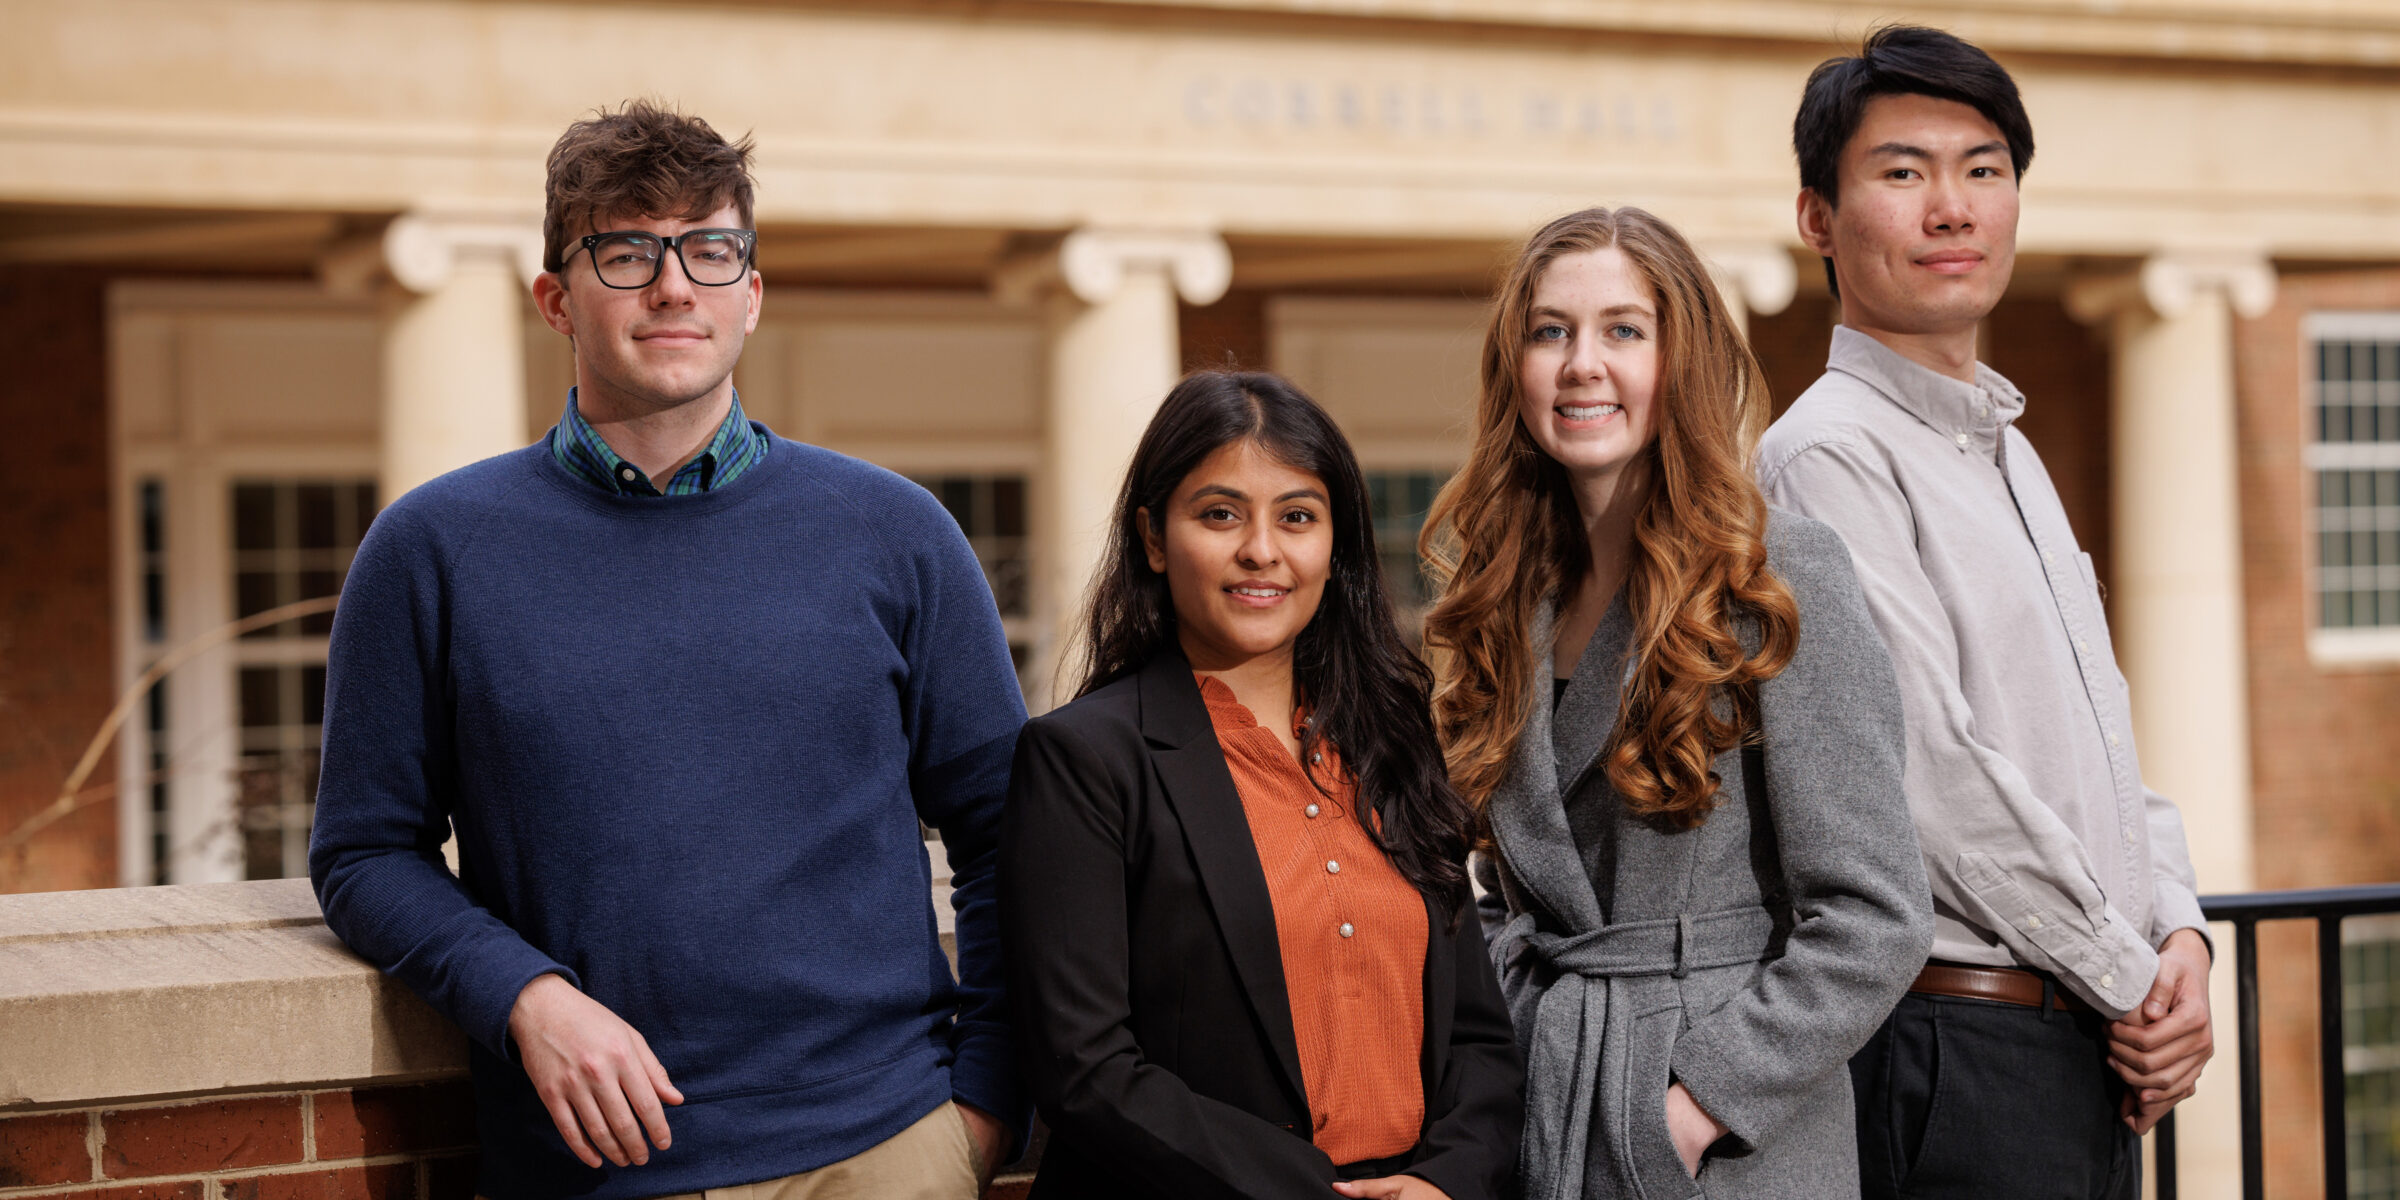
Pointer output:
409, 1142
2325, 764
1791, 346
2063, 369
56, 644
1228, 335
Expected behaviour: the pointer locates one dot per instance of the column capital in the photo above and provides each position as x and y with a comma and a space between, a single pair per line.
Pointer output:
1091, 263
1759, 274
422, 247
2166, 283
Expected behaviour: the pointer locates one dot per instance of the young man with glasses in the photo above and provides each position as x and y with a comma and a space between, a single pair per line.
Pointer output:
2066, 1006
684, 691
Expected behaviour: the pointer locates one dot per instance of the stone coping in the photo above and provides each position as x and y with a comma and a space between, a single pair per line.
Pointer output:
151, 993
133, 994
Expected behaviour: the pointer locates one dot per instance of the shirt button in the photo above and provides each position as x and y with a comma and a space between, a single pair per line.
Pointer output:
1332, 867
2108, 981
627, 474
2049, 557
1346, 930
2033, 922
1961, 439
1983, 410
2112, 739
1317, 756
2082, 646
1311, 810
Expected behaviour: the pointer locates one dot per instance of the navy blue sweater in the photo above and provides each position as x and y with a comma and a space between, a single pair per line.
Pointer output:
685, 742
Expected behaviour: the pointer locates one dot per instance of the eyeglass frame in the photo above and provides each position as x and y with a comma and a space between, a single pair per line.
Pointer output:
749, 239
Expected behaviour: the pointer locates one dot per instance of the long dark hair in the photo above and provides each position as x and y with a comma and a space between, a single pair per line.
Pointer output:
1369, 693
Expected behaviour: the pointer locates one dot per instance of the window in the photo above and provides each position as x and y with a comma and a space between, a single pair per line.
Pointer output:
2353, 455
1399, 501
2371, 1054
292, 540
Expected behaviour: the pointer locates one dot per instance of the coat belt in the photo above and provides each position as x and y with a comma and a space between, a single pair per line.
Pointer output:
1572, 1018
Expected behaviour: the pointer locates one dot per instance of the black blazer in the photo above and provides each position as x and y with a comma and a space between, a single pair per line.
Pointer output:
1146, 980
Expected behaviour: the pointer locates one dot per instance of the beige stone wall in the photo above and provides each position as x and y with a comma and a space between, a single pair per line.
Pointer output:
1047, 121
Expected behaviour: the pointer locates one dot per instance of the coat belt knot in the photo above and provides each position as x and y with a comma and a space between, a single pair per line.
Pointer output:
1573, 1018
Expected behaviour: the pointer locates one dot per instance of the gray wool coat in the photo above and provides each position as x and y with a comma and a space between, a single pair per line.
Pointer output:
1747, 958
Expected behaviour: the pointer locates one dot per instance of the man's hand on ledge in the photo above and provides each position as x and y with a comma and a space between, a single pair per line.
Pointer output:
593, 1071
2159, 1047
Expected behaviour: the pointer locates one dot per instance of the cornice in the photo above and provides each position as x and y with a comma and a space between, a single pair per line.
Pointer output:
2348, 33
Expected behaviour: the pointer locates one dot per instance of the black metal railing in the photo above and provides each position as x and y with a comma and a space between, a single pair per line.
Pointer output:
2327, 907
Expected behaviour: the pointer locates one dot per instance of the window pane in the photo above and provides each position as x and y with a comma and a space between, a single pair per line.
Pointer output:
262, 697
255, 592
362, 511
958, 495
312, 698
318, 530
1008, 506
253, 516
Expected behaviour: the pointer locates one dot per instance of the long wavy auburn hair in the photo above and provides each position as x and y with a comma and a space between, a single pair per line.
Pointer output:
1367, 691
1504, 537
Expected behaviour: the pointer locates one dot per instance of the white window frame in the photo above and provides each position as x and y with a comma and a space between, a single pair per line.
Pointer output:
197, 468
2339, 648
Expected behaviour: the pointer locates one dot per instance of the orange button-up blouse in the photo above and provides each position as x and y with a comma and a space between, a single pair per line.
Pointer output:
1352, 932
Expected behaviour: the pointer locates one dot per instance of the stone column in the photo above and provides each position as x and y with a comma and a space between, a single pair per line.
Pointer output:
2176, 600
1109, 298
1756, 277
454, 343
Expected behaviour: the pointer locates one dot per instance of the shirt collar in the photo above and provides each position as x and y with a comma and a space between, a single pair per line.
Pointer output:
580, 448
1973, 416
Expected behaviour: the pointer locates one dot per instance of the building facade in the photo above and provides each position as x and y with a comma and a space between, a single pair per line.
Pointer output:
266, 260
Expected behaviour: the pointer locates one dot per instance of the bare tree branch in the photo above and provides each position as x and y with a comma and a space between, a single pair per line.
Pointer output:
71, 794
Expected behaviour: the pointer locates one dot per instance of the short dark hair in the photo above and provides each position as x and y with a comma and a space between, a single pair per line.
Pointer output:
643, 159
1899, 60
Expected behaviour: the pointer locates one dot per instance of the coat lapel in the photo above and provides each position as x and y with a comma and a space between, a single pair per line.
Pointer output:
1184, 745
1529, 816
1587, 713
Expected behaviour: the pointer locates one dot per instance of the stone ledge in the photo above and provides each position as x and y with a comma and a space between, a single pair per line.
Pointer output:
147, 993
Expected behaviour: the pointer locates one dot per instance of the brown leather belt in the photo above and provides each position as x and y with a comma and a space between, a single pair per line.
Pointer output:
2007, 985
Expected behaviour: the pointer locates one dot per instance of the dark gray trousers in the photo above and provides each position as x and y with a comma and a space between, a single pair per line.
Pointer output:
1961, 1099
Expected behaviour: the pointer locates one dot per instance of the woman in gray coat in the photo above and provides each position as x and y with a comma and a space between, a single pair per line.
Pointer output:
1683, 729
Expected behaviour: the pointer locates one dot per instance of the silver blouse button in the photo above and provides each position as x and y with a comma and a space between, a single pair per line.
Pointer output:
1311, 810
1317, 756
1332, 867
1346, 930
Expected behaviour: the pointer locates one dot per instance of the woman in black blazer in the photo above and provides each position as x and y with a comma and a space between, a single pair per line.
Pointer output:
1146, 969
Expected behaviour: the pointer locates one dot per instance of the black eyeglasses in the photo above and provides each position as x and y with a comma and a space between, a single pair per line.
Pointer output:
630, 258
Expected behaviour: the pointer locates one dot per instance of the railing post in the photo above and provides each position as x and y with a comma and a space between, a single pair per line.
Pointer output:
2162, 1151
2334, 1108
2254, 1165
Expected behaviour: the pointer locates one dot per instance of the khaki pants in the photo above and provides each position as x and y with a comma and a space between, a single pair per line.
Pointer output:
933, 1159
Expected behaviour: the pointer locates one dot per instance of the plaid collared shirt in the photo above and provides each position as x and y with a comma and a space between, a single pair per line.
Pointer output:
734, 450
